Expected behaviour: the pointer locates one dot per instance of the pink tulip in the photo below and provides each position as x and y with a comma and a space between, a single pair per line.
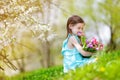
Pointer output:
93, 40
87, 42
90, 45
101, 46
97, 48
79, 33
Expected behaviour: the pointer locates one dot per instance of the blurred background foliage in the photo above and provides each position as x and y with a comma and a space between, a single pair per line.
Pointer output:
32, 31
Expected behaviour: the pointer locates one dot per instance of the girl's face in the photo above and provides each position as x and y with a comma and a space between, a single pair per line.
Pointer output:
77, 28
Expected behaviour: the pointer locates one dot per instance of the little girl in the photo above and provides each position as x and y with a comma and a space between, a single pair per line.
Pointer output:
74, 55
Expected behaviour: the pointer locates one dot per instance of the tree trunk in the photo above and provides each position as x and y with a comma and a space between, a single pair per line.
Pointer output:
22, 67
46, 54
111, 45
46, 44
20, 63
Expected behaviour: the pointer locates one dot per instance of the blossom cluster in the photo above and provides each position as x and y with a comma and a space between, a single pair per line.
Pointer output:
90, 45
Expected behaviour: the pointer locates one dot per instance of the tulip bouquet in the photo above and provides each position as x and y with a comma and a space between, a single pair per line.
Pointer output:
90, 45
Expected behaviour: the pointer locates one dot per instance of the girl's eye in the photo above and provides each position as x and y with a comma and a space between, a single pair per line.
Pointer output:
80, 28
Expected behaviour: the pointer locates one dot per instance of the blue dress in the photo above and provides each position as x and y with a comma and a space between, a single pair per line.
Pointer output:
72, 57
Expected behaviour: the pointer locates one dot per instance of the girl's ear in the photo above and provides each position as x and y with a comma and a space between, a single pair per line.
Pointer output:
70, 26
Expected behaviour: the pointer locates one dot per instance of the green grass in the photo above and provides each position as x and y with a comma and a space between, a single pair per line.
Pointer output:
41, 74
107, 67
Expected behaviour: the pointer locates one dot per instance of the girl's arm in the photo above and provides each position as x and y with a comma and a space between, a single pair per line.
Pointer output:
78, 46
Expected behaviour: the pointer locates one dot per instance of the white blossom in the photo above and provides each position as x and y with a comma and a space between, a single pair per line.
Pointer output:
44, 28
6, 43
13, 37
1, 11
1, 41
51, 37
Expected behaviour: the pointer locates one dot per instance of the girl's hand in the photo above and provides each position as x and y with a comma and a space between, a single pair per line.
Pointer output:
92, 53
88, 52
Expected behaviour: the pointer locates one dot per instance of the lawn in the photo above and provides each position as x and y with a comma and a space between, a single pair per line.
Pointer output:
106, 68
